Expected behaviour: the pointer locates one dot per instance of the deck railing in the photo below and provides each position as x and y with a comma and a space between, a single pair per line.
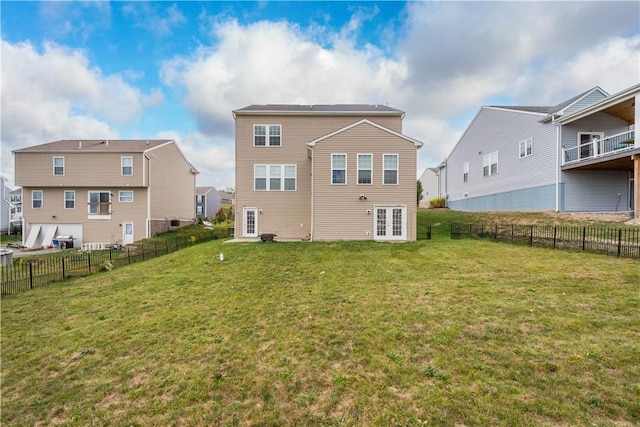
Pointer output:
601, 147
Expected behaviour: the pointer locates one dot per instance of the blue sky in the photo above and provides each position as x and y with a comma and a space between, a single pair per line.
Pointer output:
81, 70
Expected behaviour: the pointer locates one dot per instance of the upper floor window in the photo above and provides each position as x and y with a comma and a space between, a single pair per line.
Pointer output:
199, 198
338, 168
58, 166
365, 166
199, 210
37, 199
390, 169
99, 202
274, 177
490, 164
69, 199
267, 135
526, 148
125, 196
465, 172
126, 164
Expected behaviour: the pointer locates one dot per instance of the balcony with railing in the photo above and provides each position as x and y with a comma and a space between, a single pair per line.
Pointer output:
599, 148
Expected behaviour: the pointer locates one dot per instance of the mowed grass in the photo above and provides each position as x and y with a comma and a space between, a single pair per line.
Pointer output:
444, 332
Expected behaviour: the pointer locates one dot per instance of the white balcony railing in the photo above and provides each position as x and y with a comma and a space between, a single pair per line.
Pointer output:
600, 147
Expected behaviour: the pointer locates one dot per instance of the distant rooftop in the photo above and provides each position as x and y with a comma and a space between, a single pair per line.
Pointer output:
545, 109
97, 145
319, 108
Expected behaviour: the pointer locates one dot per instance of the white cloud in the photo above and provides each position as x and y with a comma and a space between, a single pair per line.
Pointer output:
157, 20
57, 94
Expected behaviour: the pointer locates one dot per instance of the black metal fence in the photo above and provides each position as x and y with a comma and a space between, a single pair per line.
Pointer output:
31, 272
621, 242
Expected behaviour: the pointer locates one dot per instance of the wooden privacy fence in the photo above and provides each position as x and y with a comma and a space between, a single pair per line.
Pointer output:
32, 272
621, 242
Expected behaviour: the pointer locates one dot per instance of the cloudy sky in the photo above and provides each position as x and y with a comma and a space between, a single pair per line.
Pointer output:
93, 70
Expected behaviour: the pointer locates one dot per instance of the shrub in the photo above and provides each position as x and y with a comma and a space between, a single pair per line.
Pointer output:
438, 202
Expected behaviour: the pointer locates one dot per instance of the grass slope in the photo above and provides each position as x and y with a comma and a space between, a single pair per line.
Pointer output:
349, 333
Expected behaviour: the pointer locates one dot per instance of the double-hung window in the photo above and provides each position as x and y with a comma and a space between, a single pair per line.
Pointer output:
36, 199
465, 172
126, 166
274, 177
390, 169
526, 148
490, 164
125, 196
99, 203
365, 166
338, 169
267, 135
58, 166
69, 199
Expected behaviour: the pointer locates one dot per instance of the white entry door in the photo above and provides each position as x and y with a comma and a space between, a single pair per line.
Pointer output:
127, 232
391, 223
250, 228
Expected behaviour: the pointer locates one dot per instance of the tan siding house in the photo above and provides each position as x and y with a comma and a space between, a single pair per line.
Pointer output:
324, 172
103, 191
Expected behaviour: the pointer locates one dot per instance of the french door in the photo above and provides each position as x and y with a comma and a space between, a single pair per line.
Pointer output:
250, 227
390, 223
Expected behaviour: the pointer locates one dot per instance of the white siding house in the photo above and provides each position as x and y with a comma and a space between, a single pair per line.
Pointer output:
577, 156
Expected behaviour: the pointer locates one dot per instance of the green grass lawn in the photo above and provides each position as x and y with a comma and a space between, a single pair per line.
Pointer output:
443, 332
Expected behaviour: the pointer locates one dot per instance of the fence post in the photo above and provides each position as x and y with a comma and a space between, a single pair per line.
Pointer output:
155, 247
166, 244
496, 235
531, 236
89, 261
429, 232
63, 275
142, 251
619, 241
128, 256
512, 232
584, 237
482, 231
555, 233
30, 274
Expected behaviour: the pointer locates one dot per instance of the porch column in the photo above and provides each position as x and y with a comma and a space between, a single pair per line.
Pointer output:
636, 185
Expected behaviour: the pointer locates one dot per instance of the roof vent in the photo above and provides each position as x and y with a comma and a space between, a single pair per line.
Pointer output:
79, 145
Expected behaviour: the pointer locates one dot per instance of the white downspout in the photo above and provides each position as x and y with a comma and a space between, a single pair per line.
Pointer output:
312, 196
148, 225
558, 157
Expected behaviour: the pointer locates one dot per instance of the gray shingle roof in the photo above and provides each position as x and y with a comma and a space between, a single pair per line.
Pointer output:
97, 145
544, 109
325, 108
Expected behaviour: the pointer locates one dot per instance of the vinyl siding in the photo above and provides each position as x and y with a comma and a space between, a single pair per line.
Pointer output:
338, 212
94, 230
596, 191
90, 168
598, 122
528, 199
172, 184
502, 131
592, 98
286, 213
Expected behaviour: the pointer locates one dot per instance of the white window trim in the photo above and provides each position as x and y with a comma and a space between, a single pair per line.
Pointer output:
397, 169
64, 193
358, 168
122, 166
346, 176
487, 161
125, 201
267, 133
98, 215
41, 199
268, 177
54, 166
527, 142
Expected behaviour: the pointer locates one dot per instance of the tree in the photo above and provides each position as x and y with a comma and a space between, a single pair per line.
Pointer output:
420, 195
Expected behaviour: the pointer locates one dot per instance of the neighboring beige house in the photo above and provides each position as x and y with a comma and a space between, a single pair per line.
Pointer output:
325, 172
103, 191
